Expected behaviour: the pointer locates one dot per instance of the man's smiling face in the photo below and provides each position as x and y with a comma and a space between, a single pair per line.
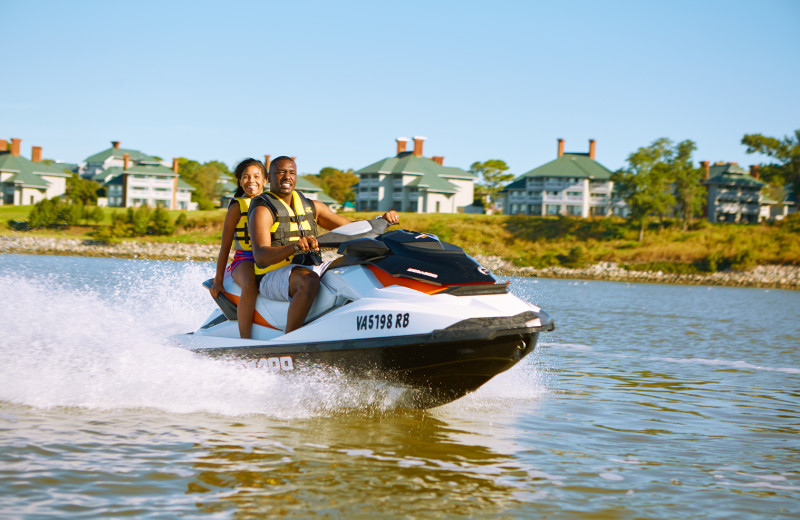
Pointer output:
282, 177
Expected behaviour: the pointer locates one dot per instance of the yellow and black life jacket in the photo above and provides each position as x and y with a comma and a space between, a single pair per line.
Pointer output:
289, 222
241, 238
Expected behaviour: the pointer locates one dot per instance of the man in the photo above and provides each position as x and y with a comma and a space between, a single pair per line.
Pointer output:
283, 224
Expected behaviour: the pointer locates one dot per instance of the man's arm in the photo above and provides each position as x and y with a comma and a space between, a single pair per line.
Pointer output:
330, 220
258, 223
327, 218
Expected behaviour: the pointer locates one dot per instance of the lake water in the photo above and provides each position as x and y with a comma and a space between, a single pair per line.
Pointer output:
647, 401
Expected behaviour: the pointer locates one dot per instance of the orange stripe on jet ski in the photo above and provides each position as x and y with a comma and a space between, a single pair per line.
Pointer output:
386, 279
258, 319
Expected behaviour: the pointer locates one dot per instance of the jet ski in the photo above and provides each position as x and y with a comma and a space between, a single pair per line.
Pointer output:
398, 306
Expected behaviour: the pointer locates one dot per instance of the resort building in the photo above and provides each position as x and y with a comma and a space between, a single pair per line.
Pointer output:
734, 195
134, 179
24, 181
409, 182
572, 184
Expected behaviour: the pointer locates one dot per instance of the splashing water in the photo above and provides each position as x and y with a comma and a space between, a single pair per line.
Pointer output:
95, 333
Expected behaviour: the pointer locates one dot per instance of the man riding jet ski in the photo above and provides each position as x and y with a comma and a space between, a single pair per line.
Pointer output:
397, 306
283, 225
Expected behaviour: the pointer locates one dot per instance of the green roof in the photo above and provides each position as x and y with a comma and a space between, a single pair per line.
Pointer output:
185, 185
578, 165
153, 168
133, 155
28, 173
433, 183
304, 185
407, 163
731, 174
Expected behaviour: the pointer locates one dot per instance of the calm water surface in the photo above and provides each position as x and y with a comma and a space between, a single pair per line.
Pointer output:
648, 401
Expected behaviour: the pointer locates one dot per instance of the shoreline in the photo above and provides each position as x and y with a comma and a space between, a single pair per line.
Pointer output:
762, 276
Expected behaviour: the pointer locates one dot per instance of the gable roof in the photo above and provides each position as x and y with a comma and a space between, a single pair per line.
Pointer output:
28, 173
151, 168
578, 165
407, 163
117, 153
731, 174
304, 185
432, 175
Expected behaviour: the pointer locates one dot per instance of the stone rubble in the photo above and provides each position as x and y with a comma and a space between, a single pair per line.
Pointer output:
767, 276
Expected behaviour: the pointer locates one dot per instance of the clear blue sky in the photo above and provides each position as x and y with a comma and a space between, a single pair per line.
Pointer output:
334, 83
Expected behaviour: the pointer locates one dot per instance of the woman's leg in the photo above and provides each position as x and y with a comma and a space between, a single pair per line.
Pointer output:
245, 277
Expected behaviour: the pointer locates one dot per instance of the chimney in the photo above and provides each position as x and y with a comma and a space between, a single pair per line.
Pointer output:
591, 148
707, 167
126, 159
560, 147
402, 142
294, 160
755, 171
418, 140
15, 143
175, 185
175, 164
438, 159
115, 144
266, 162
3, 145
36, 153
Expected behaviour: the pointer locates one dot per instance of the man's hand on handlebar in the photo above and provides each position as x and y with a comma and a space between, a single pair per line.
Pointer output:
307, 243
391, 216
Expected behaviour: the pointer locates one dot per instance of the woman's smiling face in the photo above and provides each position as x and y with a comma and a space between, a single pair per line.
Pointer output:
252, 181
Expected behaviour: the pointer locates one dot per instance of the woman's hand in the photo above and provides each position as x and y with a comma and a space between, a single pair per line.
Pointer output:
215, 288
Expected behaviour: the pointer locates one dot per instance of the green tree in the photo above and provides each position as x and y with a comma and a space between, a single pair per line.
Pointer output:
161, 224
338, 183
786, 152
96, 215
493, 176
205, 179
687, 181
82, 190
644, 183
55, 213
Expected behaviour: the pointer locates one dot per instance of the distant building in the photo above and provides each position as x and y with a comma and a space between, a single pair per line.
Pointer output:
412, 183
134, 179
26, 182
110, 157
734, 195
571, 184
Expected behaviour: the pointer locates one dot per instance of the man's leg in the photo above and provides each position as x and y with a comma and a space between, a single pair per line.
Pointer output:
303, 288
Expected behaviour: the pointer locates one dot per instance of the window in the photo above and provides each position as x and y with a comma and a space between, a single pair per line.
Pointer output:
574, 210
534, 209
553, 209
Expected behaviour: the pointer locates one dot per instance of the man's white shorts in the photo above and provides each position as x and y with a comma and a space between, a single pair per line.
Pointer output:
275, 284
